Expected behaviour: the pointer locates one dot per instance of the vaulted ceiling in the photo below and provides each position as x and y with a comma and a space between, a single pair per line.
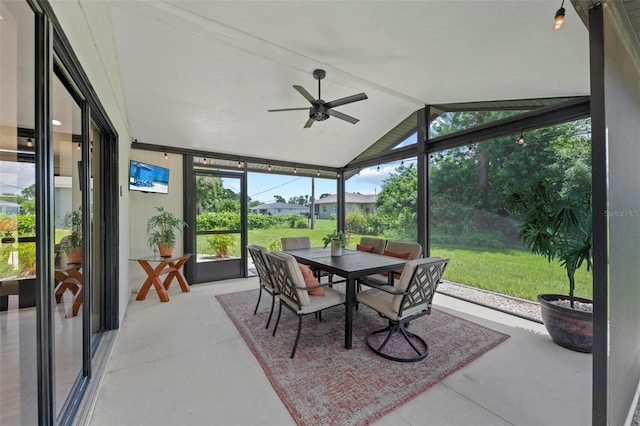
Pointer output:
202, 75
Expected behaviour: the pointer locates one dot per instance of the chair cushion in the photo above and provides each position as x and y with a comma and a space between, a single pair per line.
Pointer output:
379, 301
298, 279
400, 246
310, 280
376, 280
400, 255
331, 298
368, 249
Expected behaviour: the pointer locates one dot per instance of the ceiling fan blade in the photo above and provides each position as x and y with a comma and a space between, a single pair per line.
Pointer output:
309, 123
342, 116
347, 100
288, 109
306, 94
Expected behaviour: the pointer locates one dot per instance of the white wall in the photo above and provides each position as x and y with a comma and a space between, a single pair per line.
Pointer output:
87, 24
143, 205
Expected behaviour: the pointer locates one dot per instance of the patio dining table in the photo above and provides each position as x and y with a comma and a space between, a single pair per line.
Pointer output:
351, 266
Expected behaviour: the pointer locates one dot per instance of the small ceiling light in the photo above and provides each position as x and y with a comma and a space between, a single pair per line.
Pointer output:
470, 150
29, 143
269, 168
166, 157
78, 147
378, 167
295, 170
318, 174
558, 21
521, 139
204, 160
56, 122
402, 163
239, 165
338, 175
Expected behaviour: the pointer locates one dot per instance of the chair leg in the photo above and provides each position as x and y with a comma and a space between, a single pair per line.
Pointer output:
259, 297
278, 320
411, 338
273, 302
295, 345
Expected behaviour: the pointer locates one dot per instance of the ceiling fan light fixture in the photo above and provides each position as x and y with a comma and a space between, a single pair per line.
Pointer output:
558, 21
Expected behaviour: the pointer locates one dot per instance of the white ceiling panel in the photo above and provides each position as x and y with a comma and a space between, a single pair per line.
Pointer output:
202, 75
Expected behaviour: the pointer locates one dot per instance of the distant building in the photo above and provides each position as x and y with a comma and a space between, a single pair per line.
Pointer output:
278, 209
365, 204
7, 207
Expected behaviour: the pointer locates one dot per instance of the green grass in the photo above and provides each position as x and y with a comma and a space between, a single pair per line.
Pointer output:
513, 272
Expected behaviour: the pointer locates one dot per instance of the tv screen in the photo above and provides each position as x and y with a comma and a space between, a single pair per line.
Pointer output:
148, 178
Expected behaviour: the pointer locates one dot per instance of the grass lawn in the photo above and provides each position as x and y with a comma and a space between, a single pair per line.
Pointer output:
514, 272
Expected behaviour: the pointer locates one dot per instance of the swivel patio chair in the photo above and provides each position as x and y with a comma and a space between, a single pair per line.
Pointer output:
258, 255
294, 294
409, 299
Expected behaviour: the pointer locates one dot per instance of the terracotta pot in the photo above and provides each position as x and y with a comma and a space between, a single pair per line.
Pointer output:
567, 327
74, 255
165, 249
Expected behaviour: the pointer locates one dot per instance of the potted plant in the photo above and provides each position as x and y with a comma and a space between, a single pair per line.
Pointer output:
557, 225
162, 231
220, 244
338, 241
71, 245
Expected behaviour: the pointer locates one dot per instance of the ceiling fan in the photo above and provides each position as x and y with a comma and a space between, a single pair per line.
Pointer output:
321, 110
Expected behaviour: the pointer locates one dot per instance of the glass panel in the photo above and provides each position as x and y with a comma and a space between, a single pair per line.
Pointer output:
469, 213
279, 206
380, 201
450, 122
18, 344
96, 244
68, 222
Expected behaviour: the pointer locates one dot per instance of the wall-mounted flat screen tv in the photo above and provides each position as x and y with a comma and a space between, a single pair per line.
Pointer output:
148, 178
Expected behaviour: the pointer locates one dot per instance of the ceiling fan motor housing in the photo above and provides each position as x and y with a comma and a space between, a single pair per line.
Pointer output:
319, 112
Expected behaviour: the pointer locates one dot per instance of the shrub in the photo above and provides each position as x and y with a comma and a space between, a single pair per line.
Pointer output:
369, 224
301, 224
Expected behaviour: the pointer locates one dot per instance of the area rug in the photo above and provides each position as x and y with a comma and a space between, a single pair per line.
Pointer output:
326, 384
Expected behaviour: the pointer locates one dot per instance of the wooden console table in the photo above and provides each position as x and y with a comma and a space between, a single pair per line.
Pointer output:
169, 266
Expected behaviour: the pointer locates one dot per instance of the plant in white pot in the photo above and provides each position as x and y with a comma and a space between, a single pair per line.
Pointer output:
162, 230
557, 225
338, 241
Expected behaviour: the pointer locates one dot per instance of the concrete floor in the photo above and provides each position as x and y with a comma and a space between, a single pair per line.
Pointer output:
184, 363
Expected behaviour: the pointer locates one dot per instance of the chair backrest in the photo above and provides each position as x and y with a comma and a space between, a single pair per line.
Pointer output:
258, 255
377, 243
403, 247
292, 243
419, 280
287, 276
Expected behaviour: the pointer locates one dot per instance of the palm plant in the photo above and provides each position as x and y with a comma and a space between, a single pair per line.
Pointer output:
162, 228
555, 224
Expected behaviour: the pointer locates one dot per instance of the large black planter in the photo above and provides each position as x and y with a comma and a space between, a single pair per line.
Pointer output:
567, 327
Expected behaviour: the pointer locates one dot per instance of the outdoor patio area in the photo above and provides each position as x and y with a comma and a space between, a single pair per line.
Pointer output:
184, 362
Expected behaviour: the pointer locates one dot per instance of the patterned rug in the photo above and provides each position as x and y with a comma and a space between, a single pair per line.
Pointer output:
326, 384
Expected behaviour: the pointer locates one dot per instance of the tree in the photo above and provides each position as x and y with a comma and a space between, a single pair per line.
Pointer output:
279, 199
211, 196
397, 200
325, 195
300, 199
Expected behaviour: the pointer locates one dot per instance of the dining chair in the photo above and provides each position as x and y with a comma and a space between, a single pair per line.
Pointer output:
377, 244
258, 255
409, 299
400, 249
294, 294
293, 243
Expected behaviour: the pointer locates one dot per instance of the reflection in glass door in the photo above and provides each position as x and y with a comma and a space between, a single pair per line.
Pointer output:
218, 230
68, 286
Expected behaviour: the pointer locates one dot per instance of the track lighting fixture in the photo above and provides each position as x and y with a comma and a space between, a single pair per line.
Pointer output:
558, 21
29, 143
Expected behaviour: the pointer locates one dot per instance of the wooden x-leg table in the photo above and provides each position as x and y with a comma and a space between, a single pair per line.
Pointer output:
171, 267
70, 279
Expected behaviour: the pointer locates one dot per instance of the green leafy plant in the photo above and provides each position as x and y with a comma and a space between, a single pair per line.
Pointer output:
221, 244
555, 224
338, 236
162, 228
74, 239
